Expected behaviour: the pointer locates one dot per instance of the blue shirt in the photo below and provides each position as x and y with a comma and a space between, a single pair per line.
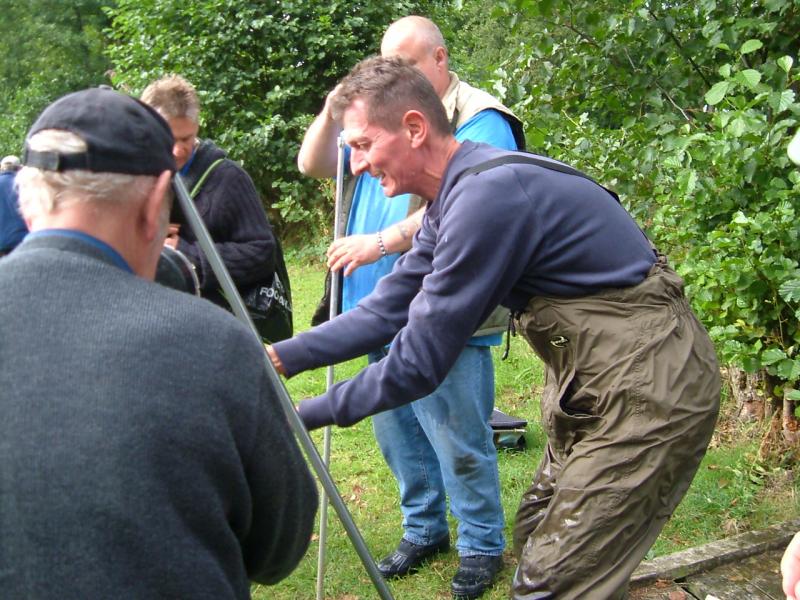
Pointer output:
12, 226
372, 211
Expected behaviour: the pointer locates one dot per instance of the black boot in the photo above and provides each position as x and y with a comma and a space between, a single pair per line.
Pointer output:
409, 556
475, 575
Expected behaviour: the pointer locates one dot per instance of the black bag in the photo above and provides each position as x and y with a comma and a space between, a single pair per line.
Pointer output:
176, 271
323, 310
270, 303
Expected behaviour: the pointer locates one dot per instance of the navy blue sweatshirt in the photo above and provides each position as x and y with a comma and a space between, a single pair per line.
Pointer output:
501, 236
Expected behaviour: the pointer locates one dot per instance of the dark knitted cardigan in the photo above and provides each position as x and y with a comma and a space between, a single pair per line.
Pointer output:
232, 211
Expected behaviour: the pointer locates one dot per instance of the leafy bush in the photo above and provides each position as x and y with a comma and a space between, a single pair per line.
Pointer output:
686, 109
736, 177
262, 70
51, 48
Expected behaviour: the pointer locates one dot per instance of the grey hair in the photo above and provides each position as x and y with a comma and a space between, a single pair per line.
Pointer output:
42, 192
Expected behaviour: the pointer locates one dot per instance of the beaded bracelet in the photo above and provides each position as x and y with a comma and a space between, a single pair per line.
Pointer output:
380, 244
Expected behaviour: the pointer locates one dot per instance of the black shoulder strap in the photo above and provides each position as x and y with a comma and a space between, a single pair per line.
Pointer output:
508, 159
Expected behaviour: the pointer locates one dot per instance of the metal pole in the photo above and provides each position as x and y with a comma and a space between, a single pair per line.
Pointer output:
338, 229
239, 309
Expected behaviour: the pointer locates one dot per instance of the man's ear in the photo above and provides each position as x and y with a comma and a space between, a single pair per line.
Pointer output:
440, 56
416, 127
152, 213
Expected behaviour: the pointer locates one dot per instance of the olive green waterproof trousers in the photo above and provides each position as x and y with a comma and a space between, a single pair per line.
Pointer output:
630, 402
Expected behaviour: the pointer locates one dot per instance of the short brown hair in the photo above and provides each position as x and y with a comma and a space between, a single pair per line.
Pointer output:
390, 87
173, 97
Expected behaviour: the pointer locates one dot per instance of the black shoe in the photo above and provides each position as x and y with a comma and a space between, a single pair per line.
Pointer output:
475, 575
409, 556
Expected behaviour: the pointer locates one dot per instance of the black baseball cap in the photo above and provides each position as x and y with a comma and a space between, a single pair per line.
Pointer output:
122, 135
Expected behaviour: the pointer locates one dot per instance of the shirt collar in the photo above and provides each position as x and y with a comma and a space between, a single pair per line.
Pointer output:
184, 170
107, 250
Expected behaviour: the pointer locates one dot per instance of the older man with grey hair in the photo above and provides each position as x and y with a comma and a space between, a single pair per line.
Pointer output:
143, 450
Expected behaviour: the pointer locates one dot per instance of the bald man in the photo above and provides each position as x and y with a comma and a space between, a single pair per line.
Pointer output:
441, 445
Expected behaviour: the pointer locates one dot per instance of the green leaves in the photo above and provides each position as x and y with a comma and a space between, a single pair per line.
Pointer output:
50, 48
262, 70
750, 46
772, 356
781, 101
688, 112
790, 289
749, 77
715, 95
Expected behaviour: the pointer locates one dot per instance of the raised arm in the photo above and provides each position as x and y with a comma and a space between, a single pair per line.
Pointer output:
318, 153
397, 238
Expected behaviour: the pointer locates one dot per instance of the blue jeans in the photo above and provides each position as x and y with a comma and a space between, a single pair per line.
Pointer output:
442, 445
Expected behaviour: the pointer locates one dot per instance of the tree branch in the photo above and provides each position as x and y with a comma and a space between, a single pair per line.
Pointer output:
681, 50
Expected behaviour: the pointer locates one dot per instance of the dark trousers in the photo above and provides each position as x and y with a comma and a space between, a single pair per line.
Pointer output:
629, 406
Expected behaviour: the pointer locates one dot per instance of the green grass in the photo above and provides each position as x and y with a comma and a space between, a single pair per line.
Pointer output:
731, 492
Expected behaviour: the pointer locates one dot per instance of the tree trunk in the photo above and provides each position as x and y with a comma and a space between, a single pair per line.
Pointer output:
748, 394
755, 400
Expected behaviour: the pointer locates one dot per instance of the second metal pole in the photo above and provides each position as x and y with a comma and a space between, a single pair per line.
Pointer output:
301, 433
334, 310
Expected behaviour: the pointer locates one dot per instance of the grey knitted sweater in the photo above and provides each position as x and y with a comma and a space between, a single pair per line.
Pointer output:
143, 453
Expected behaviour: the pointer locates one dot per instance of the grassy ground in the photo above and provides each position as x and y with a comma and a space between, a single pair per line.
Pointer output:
732, 492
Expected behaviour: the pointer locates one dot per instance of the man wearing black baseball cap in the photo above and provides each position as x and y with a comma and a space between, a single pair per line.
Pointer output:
143, 451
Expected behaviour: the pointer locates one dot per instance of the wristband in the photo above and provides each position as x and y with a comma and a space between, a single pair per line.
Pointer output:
380, 244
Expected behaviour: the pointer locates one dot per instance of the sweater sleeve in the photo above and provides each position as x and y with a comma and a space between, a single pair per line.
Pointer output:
474, 256
284, 495
232, 212
364, 328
